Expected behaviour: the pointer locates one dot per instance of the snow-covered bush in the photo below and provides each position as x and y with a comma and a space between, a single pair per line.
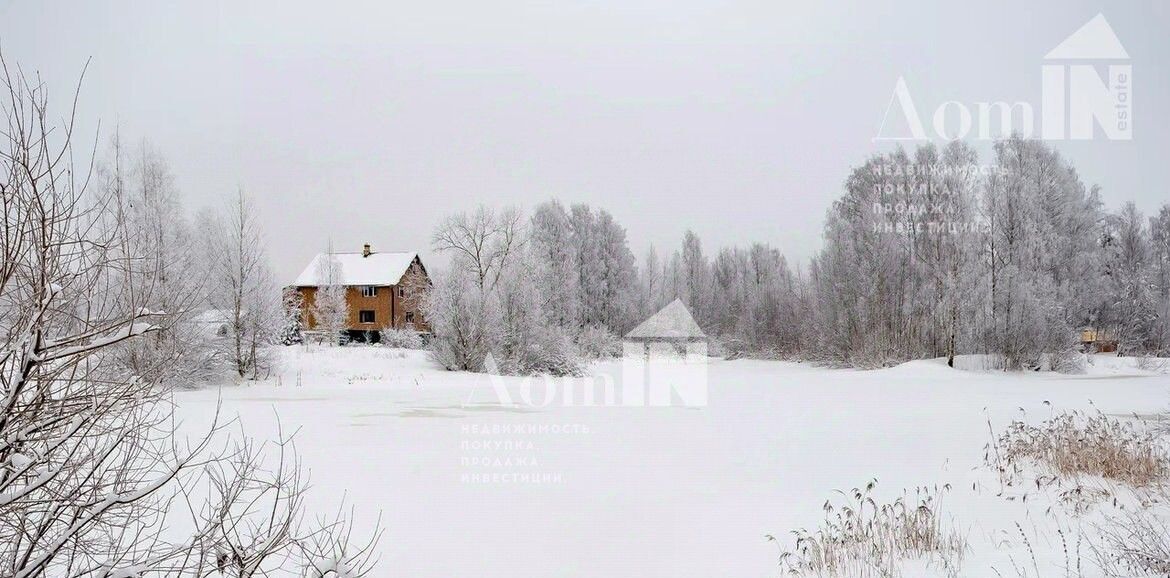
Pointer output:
1069, 361
460, 315
259, 492
529, 344
732, 348
545, 350
1152, 364
1136, 541
597, 342
406, 338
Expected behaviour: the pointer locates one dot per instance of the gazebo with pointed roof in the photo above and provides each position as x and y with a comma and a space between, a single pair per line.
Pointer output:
672, 323
672, 332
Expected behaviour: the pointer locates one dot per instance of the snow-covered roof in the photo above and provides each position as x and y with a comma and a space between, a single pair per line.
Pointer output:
673, 322
356, 269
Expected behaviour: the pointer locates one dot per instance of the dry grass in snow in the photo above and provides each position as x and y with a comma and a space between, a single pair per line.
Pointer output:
1079, 443
1132, 463
864, 538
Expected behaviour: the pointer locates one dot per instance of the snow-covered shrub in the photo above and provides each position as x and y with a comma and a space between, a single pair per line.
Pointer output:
732, 348
406, 338
1070, 362
461, 316
1152, 364
1076, 443
544, 350
597, 342
863, 538
528, 343
978, 362
1136, 541
181, 353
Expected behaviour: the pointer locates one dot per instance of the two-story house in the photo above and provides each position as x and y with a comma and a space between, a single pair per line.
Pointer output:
382, 289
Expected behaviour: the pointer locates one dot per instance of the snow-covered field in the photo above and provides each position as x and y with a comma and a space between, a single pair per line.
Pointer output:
467, 487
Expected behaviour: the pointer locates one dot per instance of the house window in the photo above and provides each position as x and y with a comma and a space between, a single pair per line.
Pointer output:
366, 316
369, 291
409, 317
401, 292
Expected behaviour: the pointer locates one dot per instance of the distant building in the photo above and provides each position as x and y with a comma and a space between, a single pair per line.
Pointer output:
212, 323
665, 360
1096, 341
671, 331
383, 290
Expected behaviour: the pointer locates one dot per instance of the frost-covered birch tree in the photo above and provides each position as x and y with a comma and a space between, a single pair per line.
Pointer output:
651, 285
1043, 254
555, 260
1129, 308
463, 307
605, 269
617, 285
241, 287
930, 254
696, 279
330, 308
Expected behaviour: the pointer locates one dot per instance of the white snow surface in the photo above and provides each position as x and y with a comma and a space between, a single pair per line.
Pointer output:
656, 491
377, 269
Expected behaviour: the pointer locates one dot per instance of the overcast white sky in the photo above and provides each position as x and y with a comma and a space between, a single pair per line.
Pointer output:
369, 121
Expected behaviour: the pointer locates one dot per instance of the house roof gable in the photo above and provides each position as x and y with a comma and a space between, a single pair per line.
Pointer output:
376, 269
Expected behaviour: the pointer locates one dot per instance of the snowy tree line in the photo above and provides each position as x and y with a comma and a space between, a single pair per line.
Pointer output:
540, 292
928, 253
529, 291
931, 254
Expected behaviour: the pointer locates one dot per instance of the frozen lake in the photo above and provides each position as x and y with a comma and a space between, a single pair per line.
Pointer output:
467, 487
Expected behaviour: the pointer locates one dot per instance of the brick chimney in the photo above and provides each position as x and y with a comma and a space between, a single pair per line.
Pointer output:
366, 250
